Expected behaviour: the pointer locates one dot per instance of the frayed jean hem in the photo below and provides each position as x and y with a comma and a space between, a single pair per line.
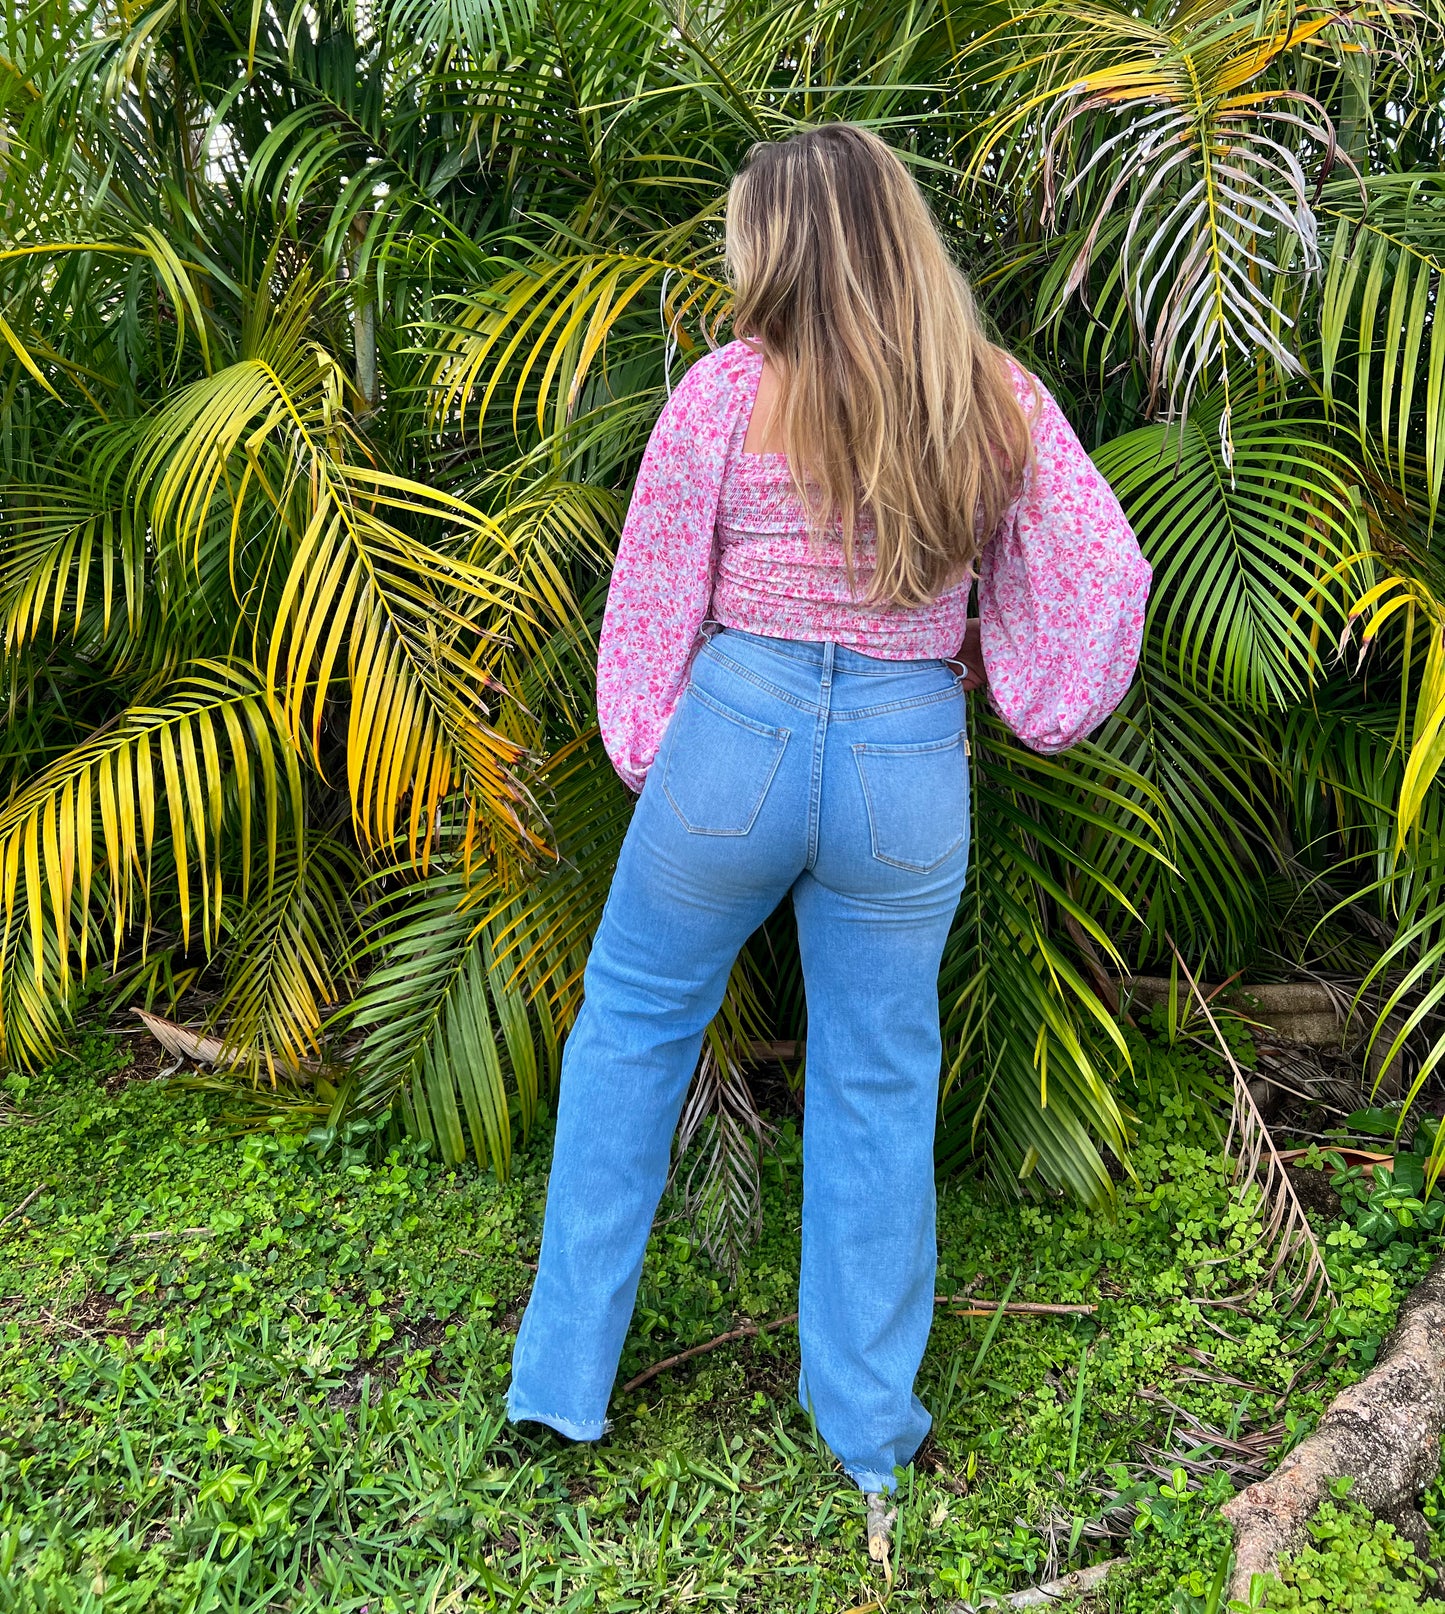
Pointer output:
868, 1481
563, 1426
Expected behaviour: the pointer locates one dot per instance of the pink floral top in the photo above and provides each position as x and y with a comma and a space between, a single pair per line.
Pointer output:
771, 577
713, 531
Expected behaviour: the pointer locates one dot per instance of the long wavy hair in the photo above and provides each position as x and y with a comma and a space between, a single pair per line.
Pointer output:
891, 396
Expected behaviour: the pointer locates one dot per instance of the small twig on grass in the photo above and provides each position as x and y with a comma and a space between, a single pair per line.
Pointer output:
175, 1233
34, 1194
1027, 1308
1019, 1308
747, 1331
65, 1322
1071, 1585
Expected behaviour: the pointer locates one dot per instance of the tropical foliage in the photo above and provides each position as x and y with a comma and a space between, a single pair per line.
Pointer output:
331, 337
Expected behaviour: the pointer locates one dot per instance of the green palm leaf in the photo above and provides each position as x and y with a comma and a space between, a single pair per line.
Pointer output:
1251, 554
428, 1021
1380, 344
280, 977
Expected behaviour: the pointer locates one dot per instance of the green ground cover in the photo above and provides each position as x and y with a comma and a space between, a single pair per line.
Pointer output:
236, 1374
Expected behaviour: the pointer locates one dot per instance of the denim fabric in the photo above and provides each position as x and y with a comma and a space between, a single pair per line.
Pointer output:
789, 767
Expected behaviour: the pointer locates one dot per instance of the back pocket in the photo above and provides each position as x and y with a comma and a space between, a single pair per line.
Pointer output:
719, 765
917, 798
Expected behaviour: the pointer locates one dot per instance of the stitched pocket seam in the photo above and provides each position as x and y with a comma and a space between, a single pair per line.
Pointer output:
779, 738
863, 748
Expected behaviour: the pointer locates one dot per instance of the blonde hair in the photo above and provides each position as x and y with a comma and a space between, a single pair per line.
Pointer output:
891, 396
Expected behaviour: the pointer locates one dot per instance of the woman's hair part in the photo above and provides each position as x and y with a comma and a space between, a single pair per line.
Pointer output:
892, 397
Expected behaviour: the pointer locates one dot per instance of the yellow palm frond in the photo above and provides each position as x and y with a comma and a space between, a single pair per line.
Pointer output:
551, 319
88, 828
64, 551
1415, 605
264, 443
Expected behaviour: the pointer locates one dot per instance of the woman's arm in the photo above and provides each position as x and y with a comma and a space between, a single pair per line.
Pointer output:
1061, 593
662, 579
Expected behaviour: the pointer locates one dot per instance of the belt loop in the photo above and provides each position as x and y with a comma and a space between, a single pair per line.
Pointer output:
827, 685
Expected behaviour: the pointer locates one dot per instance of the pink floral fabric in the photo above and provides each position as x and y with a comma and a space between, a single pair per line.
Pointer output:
770, 577
712, 531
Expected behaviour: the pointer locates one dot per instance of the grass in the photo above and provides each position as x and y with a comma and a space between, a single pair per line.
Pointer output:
236, 1374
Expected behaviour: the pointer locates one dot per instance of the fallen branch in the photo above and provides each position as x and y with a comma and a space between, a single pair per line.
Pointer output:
34, 1194
747, 1331
1021, 1308
1367, 1158
981, 1308
1382, 1432
1075, 1585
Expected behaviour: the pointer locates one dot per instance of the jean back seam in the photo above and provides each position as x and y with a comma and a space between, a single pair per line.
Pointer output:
820, 742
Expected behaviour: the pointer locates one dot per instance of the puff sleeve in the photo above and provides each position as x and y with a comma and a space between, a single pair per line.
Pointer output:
662, 579
1061, 592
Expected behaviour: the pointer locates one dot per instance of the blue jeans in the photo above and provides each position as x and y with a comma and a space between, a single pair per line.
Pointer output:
789, 767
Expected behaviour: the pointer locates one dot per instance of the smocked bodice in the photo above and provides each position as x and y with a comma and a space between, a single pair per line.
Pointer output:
771, 578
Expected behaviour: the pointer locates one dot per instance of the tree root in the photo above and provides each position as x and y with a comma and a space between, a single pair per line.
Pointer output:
1383, 1432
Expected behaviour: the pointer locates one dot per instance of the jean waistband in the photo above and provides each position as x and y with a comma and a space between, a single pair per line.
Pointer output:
814, 652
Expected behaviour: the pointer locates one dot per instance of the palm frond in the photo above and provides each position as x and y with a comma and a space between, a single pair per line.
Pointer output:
1380, 344
539, 328
1409, 604
542, 934
1214, 774
1252, 555
345, 583
186, 775
721, 1188
1184, 151
66, 550
441, 1029
1034, 1051
280, 975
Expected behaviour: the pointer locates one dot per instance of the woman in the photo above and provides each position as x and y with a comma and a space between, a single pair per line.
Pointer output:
779, 678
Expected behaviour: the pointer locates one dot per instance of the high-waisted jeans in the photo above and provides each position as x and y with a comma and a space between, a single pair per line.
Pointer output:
789, 767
